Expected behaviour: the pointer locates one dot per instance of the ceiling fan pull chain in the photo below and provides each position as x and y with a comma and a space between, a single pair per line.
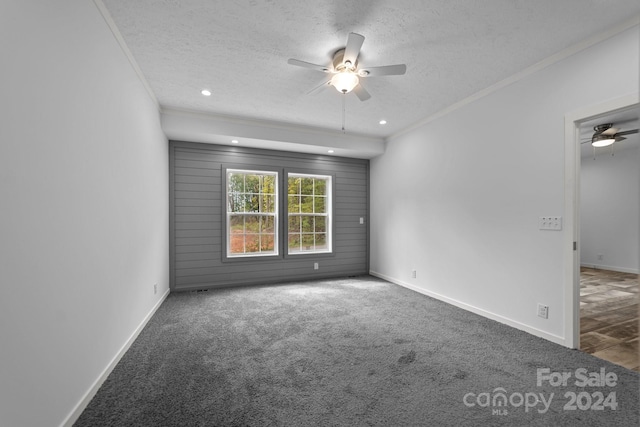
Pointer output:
344, 95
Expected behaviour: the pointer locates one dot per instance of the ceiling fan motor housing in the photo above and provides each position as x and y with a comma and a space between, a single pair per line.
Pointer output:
603, 127
338, 62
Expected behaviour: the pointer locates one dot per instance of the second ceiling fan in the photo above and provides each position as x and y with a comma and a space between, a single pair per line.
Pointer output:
345, 72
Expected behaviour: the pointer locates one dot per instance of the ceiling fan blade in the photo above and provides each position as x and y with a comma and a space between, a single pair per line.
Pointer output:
385, 70
351, 52
620, 138
304, 64
361, 92
627, 132
610, 131
320, 87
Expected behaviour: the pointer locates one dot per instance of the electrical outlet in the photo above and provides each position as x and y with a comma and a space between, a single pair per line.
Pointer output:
414, 274
543, 311
550, 223
316, 266
155, 288
361, 220
600, 257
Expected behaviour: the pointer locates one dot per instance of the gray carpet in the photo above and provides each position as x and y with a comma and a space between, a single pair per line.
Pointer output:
352, 352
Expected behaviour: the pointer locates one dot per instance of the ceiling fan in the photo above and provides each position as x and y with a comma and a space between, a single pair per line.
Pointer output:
345, 72
605, 135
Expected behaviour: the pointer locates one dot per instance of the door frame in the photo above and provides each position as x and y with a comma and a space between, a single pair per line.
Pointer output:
571, 242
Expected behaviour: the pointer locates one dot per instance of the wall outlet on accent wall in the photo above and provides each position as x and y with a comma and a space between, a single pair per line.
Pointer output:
316, 266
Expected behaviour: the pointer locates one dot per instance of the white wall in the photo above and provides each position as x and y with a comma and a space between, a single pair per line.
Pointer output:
83, 187
458, 199
609, 209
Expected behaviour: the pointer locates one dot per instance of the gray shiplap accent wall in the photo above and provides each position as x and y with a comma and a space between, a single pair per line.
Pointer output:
197, 217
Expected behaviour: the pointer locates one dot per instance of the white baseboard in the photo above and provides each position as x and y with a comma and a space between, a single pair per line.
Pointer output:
82, 404
610, 268
498, 318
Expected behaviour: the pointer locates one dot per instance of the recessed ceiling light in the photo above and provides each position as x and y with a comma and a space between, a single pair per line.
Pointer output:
206, 92
234, 141
330, 151
383, 122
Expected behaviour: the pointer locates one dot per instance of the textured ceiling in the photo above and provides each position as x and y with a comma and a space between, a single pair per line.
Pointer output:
239, 49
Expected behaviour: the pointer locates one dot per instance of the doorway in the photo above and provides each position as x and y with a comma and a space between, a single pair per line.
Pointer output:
600, 285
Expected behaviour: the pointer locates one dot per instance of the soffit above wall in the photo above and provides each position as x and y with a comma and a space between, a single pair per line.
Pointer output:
239, 51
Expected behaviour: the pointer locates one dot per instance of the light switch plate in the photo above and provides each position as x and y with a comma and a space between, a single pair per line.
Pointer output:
550, 223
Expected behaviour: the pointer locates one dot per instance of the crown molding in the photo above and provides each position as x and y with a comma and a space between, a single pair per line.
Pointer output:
553, 59
125, 49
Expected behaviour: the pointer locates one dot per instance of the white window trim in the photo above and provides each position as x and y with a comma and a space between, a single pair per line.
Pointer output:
328, 215
275, 214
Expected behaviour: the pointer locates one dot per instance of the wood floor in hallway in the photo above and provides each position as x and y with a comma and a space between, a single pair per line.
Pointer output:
609, 316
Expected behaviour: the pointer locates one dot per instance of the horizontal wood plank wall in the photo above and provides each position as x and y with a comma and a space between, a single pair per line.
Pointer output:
197, 222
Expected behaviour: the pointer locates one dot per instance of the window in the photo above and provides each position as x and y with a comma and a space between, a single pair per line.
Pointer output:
309, 213
252, 209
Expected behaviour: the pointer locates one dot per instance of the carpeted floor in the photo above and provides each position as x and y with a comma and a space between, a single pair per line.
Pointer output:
352, 352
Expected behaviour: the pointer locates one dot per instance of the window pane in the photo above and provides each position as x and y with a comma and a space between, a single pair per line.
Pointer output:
320, 187
307, 224
252, 184
294, 242
235, 202
236, 223
251, 243
306, 205
321, 224
252, 203
267, 204
321, 241
252, 224
320, 204
235, 182
267, 243
293, 204
268, 184
294, 186
236, 245
294, 224
236, 234
306, 186
307, 242
268, 224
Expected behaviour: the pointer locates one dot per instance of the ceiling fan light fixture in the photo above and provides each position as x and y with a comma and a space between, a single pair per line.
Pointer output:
602, 140
344, 82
